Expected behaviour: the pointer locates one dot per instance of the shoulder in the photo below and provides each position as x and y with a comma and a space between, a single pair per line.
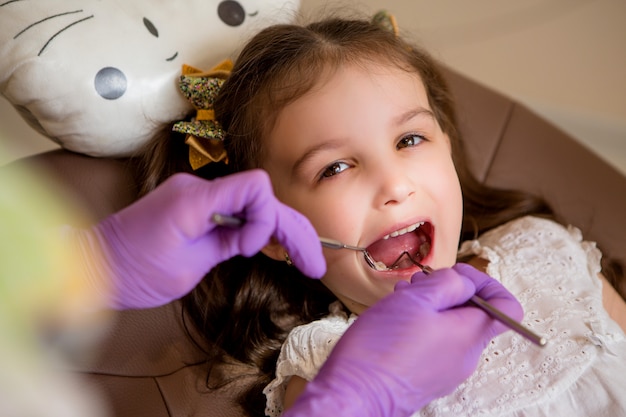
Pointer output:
532, 239
312, 342
304, 352
536, 229
319, 334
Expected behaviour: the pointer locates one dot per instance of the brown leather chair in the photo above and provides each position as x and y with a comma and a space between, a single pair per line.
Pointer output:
147, 366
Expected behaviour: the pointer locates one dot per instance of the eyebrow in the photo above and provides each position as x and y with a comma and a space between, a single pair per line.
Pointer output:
312, 151
410, 114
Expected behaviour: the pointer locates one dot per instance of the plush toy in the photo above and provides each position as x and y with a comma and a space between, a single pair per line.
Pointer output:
100, 76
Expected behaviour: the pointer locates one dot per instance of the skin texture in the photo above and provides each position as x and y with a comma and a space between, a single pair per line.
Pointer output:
613, 303
362, 156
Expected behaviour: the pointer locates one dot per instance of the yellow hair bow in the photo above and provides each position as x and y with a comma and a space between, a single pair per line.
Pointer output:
205, 136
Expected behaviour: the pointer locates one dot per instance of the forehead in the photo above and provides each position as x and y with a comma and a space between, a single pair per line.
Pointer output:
357, 87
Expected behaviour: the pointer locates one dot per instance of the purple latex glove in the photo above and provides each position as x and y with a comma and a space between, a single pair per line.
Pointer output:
158, 249
412, 347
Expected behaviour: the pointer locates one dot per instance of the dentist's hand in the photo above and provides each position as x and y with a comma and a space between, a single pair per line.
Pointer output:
412, 347
158, 249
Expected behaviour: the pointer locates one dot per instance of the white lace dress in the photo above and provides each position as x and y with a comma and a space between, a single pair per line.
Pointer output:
553, 272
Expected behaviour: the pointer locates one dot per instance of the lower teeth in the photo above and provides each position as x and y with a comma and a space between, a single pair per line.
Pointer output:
380, 266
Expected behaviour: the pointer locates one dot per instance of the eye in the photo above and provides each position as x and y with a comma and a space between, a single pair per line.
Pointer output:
231, 13
150, 26
409, 141
334, 169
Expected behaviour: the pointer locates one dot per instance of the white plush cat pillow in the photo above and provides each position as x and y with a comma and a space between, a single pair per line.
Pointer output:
99, 76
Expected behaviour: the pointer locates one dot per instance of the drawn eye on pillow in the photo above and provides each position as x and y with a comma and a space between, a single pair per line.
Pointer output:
99, 76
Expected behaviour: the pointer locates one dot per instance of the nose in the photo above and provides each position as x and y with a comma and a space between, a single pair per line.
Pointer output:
394, 184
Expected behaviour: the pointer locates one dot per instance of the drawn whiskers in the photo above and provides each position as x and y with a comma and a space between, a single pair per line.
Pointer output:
48, 18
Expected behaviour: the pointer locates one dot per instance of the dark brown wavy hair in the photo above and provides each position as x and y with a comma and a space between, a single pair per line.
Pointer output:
245, 307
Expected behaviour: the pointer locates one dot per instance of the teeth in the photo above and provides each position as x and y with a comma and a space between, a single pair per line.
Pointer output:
380, 266
401, 232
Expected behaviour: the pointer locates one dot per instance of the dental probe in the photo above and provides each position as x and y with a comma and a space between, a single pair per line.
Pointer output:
499, 315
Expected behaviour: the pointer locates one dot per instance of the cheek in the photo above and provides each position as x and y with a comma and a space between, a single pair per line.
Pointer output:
344, 214
355, 291
455, 197
329, 210
450, 204
455, 214
443, 182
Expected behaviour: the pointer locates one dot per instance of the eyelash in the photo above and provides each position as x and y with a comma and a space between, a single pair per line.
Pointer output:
331, 170
420, 138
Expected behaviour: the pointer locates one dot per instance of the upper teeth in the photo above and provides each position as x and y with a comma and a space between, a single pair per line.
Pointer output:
403, 231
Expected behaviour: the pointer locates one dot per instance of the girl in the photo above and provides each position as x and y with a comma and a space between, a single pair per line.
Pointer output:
357, 131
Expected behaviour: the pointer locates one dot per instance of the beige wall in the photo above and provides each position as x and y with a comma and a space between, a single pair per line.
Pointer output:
566, 59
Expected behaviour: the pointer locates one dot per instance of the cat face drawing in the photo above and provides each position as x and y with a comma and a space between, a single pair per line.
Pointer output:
100, 76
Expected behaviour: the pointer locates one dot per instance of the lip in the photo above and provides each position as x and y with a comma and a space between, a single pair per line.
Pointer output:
407, 272
400, 274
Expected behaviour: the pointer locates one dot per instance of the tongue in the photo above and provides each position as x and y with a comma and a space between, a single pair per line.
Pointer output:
388, 250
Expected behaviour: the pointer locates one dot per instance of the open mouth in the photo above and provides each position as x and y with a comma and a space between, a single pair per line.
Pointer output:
396, 249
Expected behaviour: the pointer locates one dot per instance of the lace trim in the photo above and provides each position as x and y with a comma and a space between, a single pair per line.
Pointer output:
554, 275
303, 354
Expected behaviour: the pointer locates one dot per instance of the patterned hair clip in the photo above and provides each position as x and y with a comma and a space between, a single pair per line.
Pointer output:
387, 21
205, 136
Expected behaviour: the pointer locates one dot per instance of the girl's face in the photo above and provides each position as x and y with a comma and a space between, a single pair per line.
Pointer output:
362, 156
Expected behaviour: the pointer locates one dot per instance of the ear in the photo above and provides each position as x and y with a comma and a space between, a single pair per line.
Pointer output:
274, 250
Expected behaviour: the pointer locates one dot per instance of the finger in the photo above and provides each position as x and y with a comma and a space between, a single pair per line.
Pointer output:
248, 195
479, 278
193, 200
297, 235
264, 217
492, 291
419, 276
443, 289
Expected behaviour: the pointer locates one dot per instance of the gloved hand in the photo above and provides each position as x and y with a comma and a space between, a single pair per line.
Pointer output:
158, 249
415, 345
